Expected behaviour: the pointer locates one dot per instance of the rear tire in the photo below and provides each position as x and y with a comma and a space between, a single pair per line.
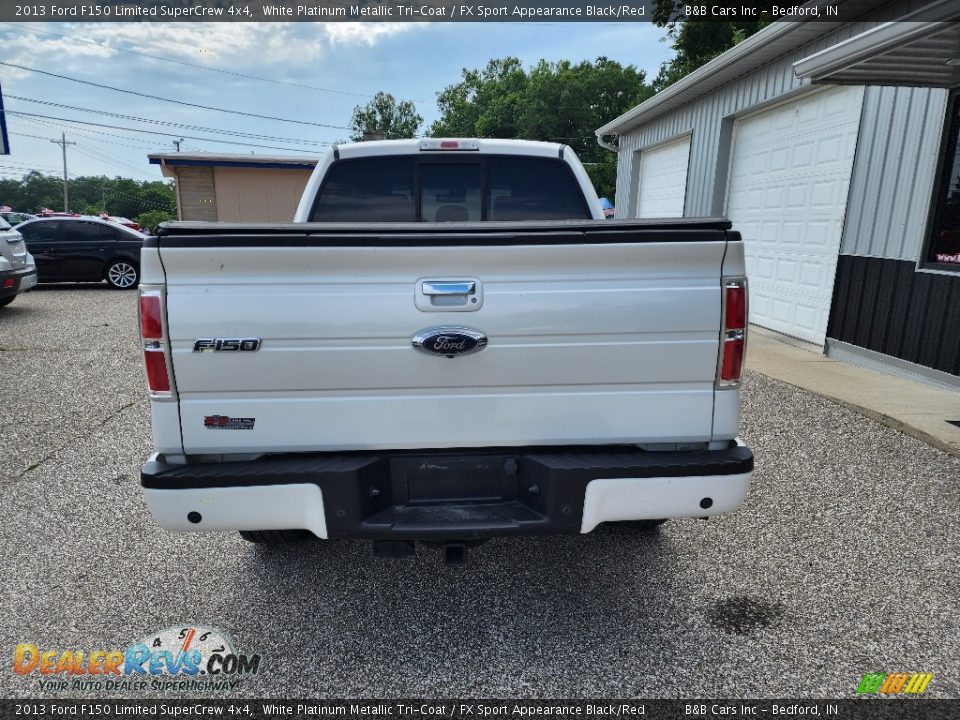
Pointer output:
122, 275
7, 300
276, 537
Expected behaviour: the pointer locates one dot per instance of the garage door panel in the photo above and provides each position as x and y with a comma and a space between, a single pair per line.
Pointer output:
799, 270
663, 179
819, 149
789, 178
794, 314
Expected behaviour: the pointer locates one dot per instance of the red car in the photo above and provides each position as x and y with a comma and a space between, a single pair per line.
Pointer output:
123, 221
47, 212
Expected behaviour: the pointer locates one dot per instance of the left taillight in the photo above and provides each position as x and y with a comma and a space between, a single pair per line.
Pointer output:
733, 336
154, 342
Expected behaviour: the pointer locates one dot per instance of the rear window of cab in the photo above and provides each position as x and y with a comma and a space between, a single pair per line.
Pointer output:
436, 188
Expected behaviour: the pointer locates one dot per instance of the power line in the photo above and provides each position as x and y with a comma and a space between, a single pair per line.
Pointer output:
172, 100
115, 158
93, 155
200, 67
153, 121
27, 168
152, 132
139, 146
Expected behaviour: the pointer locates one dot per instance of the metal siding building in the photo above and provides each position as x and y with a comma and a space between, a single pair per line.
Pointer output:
844, 266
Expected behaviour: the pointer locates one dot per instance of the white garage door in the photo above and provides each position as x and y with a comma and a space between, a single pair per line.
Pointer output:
787, 195
663, 179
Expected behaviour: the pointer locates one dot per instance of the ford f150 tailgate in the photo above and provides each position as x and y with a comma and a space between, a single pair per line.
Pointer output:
308, 337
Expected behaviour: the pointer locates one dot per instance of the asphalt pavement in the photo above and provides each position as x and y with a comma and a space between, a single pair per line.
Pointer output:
841, 562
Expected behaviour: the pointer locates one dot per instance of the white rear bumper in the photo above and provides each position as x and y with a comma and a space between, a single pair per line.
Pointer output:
618, 499
300, 505
256, 507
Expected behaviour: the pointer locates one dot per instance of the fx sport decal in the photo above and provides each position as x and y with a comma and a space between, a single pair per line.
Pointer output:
222, 422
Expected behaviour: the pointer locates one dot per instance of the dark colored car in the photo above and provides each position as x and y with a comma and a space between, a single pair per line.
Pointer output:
84, 249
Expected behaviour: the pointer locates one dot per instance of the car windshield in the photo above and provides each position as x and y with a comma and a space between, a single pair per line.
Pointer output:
4, 225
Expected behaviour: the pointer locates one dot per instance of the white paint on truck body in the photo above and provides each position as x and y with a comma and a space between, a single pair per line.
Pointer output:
587, 344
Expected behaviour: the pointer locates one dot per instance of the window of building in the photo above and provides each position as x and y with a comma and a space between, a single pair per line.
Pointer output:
944, 248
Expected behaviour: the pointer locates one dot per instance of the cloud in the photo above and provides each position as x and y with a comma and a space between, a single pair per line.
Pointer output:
235, 46
363, 33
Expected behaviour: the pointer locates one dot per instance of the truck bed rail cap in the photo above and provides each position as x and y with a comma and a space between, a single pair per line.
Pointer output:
422, 228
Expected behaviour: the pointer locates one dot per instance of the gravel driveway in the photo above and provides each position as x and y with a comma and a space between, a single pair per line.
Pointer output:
841, 562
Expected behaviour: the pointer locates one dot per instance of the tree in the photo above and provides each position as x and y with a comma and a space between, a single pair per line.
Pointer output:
384, 115
89, 193
150, 219
697, 40
560, 102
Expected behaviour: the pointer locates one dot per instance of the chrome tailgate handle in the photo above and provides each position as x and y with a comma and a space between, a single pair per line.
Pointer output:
464, 287
463, 294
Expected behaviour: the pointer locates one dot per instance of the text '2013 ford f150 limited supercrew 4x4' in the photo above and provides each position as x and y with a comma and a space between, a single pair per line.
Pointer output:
448, 344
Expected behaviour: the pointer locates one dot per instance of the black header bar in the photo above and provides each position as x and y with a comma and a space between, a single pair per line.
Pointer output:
162, 11
696, 709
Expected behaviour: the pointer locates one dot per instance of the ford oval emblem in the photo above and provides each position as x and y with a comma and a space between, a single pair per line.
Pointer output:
449, 341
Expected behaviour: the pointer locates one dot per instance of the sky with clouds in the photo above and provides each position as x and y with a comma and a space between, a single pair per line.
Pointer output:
324, 69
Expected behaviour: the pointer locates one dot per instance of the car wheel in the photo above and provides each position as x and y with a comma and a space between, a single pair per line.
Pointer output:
122, 275
7, 300
276, 537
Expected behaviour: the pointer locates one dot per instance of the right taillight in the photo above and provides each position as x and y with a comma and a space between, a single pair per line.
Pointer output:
154, 341
733, 337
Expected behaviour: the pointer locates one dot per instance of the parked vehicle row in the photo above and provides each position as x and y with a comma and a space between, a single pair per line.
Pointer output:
15, 218
83, 249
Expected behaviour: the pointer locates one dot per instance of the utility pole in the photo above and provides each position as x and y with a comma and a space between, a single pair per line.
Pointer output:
62, 142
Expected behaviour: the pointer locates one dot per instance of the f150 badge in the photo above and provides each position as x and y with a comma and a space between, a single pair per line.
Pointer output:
449, 341
226, 345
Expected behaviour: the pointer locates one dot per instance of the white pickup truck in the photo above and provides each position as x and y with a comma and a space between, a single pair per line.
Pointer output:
448, 344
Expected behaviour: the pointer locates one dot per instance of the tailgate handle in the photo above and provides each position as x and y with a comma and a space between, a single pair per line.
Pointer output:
449, 288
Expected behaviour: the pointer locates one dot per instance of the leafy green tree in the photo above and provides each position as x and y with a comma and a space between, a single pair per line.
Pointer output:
90, 193
695, 40
385, 115
560, 102
150, 219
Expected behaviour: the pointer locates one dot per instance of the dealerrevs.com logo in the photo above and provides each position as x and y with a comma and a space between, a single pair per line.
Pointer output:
894, 683
177, 658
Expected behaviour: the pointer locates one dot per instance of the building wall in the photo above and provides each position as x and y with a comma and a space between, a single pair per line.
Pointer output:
882, 301
894, 172
196, 193
710, 120
885, 305
258, 195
